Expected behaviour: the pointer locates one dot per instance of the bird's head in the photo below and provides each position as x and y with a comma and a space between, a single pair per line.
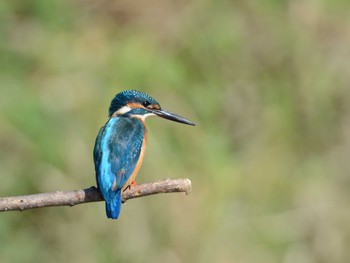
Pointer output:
134, 103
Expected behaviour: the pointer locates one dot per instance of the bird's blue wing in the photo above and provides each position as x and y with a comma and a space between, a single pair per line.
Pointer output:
98, 149
117, 151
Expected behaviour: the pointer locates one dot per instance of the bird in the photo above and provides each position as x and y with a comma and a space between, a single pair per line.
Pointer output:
121, 144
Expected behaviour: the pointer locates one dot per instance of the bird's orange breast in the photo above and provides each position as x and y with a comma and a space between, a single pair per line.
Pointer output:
140, 160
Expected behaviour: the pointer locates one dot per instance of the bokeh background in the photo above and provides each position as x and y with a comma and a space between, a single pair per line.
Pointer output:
267, 82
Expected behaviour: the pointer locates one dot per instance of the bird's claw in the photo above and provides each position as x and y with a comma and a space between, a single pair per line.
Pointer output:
133, 183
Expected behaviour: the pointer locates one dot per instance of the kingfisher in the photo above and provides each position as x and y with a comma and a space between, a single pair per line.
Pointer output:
121, 144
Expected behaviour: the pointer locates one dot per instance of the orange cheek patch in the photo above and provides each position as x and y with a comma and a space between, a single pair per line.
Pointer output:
154, 107
134, 105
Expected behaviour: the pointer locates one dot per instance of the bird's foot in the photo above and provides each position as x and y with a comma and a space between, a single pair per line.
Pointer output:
133, 183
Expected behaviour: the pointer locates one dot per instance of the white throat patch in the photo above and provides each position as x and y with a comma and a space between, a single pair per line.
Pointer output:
126, 109
145, 116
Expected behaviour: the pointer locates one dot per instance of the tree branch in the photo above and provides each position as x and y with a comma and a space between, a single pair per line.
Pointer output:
92, 194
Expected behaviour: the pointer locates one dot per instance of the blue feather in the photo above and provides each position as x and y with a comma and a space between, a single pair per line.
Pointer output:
116, 153
113, 206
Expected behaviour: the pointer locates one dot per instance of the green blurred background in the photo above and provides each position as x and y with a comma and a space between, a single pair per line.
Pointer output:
267, 82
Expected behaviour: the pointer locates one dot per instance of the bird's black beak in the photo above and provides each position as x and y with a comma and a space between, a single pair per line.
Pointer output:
172, 116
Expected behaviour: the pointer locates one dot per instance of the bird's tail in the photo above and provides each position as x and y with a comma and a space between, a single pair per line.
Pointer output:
114, 205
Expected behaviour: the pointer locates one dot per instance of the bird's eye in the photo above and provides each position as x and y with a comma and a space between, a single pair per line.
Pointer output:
146, 103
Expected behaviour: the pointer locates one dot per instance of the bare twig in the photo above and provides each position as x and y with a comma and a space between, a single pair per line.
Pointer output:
92, 194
